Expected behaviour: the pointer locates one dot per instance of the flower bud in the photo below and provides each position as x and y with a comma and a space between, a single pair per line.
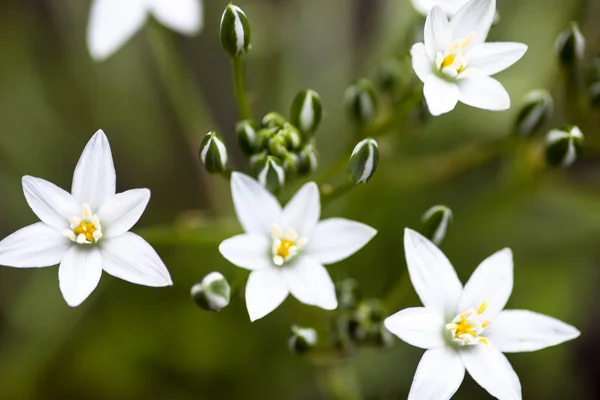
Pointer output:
213, 153
570, 45
264, 136
247, 137
235, 31
302, 339
348, 294
212, 293
563, 146
290, 163
307, 160
270, 174
291, 136
306, 112
435, 223
361, 102
364, 160
273, 120
278, 145
389, 75
536, 111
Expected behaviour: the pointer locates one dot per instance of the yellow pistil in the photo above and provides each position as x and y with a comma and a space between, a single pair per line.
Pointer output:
463, 326
87, 229
466, 328
283, 250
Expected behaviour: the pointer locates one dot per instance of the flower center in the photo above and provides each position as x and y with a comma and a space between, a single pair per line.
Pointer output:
85, 229
466, 328
454, 60
286, 245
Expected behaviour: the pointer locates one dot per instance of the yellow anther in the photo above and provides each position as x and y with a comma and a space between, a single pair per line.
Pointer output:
448, 61
482, 307
284, 248
484, 341
485, 324
87, 229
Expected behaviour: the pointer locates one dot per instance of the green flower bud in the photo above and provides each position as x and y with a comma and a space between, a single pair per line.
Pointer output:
536, 111
264, 136
293, 140
563, 146
212, 293
213, 153
278, 145
271, 175
361, 102
302, 339
348, 294
235, 31
570, 45
306, 112
364, 160
435, 223
247, 137
389, 75
290, 164
307, 160
257, 161
273, 120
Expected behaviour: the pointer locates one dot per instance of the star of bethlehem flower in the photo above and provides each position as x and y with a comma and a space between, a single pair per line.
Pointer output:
467, 328
286, 248
113, 22
455, 64
86, 231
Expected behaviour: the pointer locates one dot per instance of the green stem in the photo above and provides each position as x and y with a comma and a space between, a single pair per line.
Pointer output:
241, 96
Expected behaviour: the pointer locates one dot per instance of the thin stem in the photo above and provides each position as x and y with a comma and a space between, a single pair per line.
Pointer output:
241, 96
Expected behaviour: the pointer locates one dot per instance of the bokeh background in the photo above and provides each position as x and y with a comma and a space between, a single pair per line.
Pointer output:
157, 98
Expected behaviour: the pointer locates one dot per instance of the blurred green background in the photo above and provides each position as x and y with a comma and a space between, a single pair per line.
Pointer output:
156, 99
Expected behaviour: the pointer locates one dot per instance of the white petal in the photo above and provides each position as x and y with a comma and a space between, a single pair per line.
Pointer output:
515, 331
335, 239
492, 282
475, 17
94, 180
36, 245
79, 273
492, 371
439, 375
483, 92
491, 58
183, 16
421, 63
450, 7
250, 251
437, 35
418, 326
303, 211
256, 208
265, 291
309, 282
53, 205
432, 275
131, 258
121, 212
441, 95
112, 23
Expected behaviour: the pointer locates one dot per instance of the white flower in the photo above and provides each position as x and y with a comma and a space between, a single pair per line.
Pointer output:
467, 328
286, 248
455, 63
450, 7
85, 231
113, 22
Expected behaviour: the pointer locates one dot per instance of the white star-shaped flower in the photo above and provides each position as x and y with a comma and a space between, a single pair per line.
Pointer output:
450, 7
286, 248
113, 22
467, 328
86, 231
455, 64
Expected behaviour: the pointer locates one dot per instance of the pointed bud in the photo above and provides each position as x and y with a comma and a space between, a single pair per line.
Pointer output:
264, 136
235, 31
307, 160
257, 161
213, 153
271, 175
563, 146
212, 293
273, 120
364, 160
278, 145
292, 137
536, 111
435, 223
247, 137
290, 164
302, 339
306, 112
361, 102
570, 45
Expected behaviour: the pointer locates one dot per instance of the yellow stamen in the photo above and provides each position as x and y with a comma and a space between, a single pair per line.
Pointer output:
485, 324
464, 327
87, 229
284, 248
448, 60
484, 341
482, 307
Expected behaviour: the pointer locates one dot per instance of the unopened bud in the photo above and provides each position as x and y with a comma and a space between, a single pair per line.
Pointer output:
364, 160
302, 339
273, 120
213, 153
348, 294
435, 223
271, 174
290, 164
278, 145
212, 293
293, 140
563, 146
264, 136
570, 45
389, 75
536, 111
247, 137
235, 31
361, 102
306, 112
307, 160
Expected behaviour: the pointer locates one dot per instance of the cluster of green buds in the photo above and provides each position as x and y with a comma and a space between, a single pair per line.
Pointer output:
563, 146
